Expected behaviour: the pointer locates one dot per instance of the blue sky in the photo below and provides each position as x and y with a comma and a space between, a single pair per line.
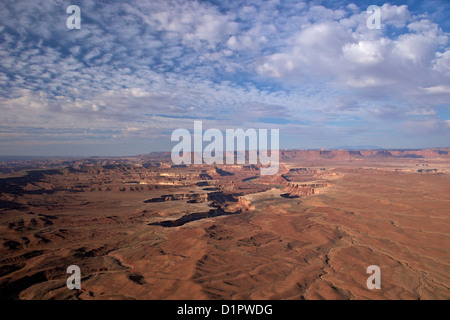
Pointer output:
137, 70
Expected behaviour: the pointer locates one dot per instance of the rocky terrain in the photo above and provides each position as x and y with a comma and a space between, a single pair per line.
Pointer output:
142, 228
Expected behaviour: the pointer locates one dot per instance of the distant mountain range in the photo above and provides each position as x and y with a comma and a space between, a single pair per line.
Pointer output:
358, 147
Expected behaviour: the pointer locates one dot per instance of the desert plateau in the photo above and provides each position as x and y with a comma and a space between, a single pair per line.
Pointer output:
142, 228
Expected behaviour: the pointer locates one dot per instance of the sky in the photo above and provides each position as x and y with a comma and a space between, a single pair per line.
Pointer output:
138, 70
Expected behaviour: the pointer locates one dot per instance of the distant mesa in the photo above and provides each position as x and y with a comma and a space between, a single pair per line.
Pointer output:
383, 153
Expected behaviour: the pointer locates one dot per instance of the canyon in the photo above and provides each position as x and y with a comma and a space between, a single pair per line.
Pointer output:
144, 228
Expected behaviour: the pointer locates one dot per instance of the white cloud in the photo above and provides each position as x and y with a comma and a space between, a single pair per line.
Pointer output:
437, 89
346, 51
397, 16
442, 62
366, 52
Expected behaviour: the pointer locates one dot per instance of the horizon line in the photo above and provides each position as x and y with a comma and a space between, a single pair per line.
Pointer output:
284, 149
